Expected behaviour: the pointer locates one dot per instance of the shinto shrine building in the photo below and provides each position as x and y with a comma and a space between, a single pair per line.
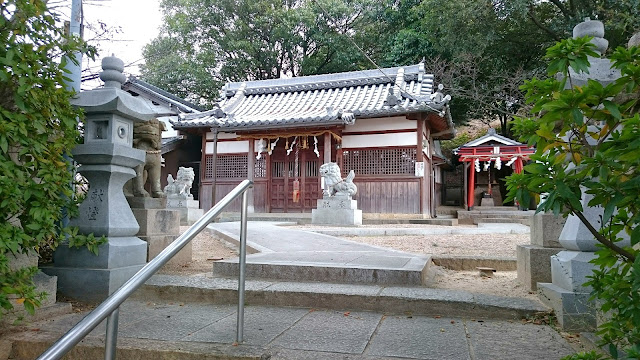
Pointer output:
487, 161
380, 123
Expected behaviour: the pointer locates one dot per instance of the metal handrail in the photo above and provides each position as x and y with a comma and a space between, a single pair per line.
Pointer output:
109, 308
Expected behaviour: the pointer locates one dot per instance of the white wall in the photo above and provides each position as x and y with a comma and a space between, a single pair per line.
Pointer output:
380, 140
381, 124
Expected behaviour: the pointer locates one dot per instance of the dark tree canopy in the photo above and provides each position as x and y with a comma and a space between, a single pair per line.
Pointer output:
481, 50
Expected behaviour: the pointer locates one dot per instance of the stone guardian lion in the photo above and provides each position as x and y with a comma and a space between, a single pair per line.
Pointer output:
334, 184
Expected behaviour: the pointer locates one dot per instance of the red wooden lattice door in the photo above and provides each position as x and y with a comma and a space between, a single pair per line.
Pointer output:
283, 175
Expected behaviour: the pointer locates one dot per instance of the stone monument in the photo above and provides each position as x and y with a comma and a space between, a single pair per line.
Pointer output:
107, 159
159, 226
147, 137
571, 266
179, 196
534, 264
337, 206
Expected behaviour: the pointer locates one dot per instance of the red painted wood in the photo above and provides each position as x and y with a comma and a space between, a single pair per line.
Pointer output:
472, 184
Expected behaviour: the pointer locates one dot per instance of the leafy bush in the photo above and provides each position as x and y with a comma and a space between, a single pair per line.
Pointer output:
38, 128
587, 141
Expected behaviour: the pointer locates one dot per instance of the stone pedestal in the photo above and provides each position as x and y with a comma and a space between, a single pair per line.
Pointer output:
190, 211
91, 278
487, 201
159, 227
336, 210
43, 282
107, 160
534, 263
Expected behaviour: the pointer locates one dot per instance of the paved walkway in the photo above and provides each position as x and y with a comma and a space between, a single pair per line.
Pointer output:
201, 331
293, 254
177, 318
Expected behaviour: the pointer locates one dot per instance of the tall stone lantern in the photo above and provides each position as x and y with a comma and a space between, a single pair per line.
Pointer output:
571, 267
107, 159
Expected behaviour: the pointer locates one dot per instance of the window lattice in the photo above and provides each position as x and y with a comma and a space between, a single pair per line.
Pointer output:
234, 166
397, 161
311, 169
260, 168
277, 169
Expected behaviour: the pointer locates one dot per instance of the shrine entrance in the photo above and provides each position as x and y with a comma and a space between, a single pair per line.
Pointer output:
287, 174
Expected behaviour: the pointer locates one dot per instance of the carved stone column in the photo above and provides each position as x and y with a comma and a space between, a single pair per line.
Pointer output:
107, 159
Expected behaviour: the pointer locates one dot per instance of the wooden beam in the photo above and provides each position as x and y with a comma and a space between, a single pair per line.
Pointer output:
327, 148
251, 165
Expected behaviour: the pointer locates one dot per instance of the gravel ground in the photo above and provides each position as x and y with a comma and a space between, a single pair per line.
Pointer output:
485, 245
207, 249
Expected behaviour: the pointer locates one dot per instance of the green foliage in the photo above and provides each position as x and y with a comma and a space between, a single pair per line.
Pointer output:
587, 138
38, 128
206, 43
591, 355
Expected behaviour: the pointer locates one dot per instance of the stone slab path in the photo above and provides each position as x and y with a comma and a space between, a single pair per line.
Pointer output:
151, 330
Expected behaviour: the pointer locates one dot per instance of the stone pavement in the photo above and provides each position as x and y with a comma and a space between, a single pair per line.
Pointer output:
194, 317
186, 330
293, 254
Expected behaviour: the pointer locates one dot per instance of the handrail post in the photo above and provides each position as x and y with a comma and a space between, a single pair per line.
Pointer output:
109, 307
242, 263
111, 338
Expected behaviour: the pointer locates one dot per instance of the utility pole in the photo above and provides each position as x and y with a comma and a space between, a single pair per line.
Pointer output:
75, 29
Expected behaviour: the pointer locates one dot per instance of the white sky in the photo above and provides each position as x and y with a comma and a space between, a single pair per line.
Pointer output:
139, 21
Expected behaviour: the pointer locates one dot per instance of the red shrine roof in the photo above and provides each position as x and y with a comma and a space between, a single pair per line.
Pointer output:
493, 146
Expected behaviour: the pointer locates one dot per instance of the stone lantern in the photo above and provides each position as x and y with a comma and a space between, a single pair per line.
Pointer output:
571, 267
107, 159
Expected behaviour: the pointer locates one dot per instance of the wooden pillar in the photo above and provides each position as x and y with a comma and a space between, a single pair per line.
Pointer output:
251, 166
327, 148
518, 165
204, 203
215, 166
472, 182
465, 188
425, 208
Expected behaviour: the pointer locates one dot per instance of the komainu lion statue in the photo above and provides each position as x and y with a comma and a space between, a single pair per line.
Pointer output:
147, 136
333, 182
181, 186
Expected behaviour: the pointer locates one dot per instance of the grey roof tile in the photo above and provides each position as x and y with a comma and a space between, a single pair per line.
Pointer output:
319, 99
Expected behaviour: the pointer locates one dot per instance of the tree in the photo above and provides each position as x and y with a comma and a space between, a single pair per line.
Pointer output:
587, 141
205, 43
38, 127
478, 54
556, 18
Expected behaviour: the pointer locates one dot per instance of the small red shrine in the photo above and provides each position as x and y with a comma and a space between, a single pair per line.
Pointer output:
488, 155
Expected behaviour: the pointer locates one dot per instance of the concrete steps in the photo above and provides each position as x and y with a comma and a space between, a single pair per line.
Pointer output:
356, 297
350, 263
368, 219
495, 215
415, 273
502, 220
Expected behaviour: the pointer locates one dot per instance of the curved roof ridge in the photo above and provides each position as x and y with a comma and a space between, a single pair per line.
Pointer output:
326, 81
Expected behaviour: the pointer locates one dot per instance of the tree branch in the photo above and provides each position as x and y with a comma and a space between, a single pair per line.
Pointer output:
562, 9
628, 257
541, 26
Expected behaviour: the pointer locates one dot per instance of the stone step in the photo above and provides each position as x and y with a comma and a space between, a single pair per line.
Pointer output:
436, 221
416, 275
498, 220
30, 347
158, 330
378, 298
340, 266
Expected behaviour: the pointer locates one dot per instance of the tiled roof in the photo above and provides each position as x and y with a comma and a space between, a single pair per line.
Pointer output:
322, 100
491, 138
138, 86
